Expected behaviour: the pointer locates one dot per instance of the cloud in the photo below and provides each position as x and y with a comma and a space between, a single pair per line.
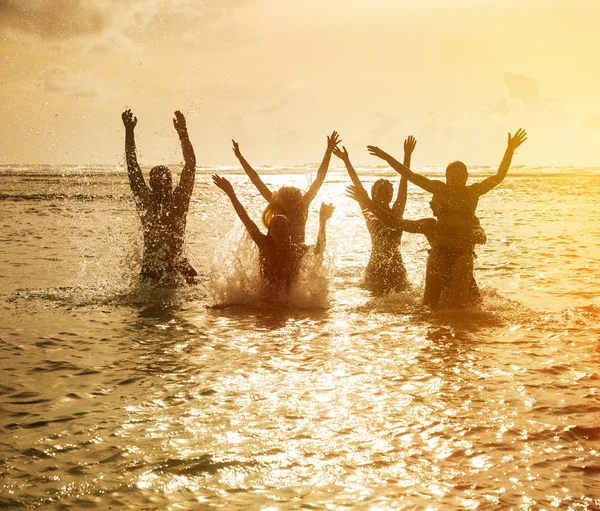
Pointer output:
149, 21
59, 80
387, 123
592, 122
274, 106
524, 101
523, 88
55, 19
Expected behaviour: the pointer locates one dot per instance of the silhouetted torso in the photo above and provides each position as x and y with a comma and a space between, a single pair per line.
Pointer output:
280, 268
385, 271
163, 226
298, 218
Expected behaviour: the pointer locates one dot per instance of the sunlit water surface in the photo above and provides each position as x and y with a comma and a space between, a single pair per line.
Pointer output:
116, 396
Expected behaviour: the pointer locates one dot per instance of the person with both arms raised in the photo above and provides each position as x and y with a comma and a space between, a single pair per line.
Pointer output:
162, 209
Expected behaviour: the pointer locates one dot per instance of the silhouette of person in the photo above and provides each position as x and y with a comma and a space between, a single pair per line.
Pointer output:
162, 208
279, 256
456, 204
437, 278
289, 200
385, 271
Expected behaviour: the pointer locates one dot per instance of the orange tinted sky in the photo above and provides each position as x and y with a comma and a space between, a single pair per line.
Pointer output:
279, 75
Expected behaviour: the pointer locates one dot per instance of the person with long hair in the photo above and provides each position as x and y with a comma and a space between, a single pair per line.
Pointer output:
279, 256
289, 201
385, 271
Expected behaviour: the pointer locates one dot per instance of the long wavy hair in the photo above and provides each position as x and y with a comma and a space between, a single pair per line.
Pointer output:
284, 200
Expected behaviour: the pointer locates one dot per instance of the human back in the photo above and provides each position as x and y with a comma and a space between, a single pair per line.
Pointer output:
289, 202
162, 209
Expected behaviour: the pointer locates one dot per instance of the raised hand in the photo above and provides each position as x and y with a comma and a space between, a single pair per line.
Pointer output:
342, 153
236, 149
409, 144
360, 195
128, 119
375, 151
515, 141
179, 123
333, 141
326, 211
223, 184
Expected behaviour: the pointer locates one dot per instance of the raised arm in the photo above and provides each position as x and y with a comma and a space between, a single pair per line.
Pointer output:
429, 185
188, 174
400, 205
136, 179
361, 196
491, 182
324, 215
258, 237
311, 193
252, 174
342, 154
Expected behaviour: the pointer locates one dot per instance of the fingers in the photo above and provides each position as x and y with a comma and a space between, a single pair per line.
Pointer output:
128, 119
518, 138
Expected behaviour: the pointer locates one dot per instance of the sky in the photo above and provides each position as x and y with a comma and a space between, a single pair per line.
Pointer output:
279, 75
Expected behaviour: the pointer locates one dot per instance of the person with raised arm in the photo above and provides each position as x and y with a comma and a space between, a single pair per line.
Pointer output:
279, 256
289, 201
439, 274
385, 271
455, 206
162, 209
457, 202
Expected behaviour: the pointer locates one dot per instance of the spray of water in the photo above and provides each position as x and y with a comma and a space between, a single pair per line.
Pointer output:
235, 278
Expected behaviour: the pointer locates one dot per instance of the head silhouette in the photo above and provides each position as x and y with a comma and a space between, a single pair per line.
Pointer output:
286, 201
161, 181
382, 192
435, 205
279, 230
456, 174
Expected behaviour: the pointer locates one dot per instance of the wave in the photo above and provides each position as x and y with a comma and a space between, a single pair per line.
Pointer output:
62, 197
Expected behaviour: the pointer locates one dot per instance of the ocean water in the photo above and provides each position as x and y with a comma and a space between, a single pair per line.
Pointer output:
119, 396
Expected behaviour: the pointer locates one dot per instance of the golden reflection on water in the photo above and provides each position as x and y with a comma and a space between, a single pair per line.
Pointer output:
370, 404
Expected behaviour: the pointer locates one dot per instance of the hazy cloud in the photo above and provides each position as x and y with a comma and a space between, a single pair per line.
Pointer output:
54, 19
151, 19
63, 81
274, 106
592, 122
525, 89
386, 124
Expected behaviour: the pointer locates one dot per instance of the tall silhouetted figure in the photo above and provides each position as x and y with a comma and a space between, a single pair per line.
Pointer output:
289, 200
279, 256
454, 204
385, 271
436, 277
162, 208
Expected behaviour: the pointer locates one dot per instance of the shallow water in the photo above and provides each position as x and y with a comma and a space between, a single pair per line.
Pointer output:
118, 396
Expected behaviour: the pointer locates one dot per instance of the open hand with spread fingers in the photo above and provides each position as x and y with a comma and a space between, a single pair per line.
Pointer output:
517, 139
223, 184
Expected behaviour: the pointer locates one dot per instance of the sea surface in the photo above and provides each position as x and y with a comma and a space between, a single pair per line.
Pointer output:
115, 395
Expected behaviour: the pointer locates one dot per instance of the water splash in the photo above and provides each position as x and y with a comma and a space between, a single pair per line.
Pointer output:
235, 279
